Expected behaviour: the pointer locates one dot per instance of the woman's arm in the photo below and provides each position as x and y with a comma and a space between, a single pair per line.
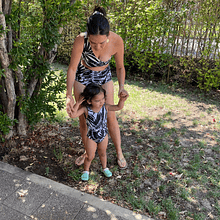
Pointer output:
119, 60
71, 73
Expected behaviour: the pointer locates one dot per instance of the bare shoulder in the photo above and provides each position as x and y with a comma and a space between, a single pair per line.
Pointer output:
79, 40
116, 39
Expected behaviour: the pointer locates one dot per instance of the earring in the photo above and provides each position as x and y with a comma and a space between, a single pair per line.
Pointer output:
107, 40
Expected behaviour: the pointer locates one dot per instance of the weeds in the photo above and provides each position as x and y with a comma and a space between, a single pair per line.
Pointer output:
172, 212
76, 174
58, 154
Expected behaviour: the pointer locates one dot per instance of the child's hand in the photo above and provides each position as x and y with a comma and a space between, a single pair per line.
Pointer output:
123, 97
81, 100
76, 107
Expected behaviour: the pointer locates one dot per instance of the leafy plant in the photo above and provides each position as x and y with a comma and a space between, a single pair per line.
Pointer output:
5, 124
58, 154
75, 174
172, 212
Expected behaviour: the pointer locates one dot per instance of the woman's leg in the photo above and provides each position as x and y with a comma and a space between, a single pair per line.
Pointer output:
102, 151
113, 126
78, 89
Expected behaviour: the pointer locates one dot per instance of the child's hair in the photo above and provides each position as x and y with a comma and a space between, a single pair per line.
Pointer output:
90, 91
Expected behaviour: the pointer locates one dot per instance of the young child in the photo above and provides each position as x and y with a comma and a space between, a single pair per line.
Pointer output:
95, 111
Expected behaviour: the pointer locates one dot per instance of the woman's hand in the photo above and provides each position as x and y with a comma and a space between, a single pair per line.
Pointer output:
123, 97
69, 104
122, 92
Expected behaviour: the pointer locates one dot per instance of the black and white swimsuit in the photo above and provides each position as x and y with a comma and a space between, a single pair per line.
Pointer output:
97, 124
85, 75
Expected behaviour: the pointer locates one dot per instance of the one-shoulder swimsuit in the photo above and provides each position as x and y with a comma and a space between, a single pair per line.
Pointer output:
85, 75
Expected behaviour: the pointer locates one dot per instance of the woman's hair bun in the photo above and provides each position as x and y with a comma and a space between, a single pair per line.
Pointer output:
100, 9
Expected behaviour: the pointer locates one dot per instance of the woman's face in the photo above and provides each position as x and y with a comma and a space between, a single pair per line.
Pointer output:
98, 42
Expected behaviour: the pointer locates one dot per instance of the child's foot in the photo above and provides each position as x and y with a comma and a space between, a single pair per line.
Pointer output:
85, 176
107, 172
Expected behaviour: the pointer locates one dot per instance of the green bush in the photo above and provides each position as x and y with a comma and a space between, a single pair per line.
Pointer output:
149, 30
5, 124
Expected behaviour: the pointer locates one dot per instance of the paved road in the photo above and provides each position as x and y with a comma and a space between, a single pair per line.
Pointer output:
24, 195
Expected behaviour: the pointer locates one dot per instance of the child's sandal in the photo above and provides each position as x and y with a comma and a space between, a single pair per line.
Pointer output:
107, 172
85, 176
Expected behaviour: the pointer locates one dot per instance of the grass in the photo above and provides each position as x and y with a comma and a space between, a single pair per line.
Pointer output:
180, 150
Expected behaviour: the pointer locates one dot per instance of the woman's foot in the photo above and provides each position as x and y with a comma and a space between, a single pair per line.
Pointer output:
80, 160
122, 163
107, 172
85, 176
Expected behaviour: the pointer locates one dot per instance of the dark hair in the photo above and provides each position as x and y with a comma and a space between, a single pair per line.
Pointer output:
90, 91
98, 23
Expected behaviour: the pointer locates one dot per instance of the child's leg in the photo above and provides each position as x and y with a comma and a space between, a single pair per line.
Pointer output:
90, 153
102, 147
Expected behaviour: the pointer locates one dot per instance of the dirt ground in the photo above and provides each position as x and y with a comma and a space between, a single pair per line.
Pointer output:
155, 151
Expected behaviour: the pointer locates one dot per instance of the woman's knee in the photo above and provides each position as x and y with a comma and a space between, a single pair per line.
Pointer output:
111, 120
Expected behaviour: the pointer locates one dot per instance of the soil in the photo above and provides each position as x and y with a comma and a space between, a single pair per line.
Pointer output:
50, 150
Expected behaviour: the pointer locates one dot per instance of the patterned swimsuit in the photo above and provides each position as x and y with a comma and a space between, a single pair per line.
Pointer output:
85, 75
97, 124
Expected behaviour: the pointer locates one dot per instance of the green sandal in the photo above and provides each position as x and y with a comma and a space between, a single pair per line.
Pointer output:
107, 172
85, 176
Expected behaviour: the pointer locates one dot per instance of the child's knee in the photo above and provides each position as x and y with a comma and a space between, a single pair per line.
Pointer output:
90, 158
102, 152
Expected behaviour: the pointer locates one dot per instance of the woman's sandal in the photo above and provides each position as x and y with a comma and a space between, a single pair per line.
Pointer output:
80, 160
107, 172
85, 176
120, 162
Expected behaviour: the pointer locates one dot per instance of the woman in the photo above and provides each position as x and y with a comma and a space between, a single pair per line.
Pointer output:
91, 54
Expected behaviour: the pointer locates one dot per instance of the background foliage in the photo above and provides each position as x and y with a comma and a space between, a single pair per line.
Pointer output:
34, 28
168, 40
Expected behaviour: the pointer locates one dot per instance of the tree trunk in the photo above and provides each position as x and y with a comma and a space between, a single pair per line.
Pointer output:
9, 80
22, 121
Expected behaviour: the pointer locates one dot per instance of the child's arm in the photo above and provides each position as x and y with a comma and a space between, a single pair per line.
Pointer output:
76, 111
119, 106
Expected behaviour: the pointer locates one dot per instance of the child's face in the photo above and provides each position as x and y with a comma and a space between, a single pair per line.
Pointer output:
98, 100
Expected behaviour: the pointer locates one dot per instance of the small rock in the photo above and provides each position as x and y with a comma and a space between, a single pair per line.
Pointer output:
206, 203
185, 159
185, 164
51, 133
163, 177
23, 158
147, 182
211, 216
189, 206
208, 151
151, 155
142, 186
144, 161
164, 214
210, 159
